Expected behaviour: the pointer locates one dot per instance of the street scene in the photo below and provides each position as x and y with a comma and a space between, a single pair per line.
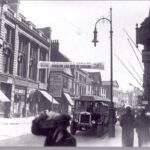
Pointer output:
74, 73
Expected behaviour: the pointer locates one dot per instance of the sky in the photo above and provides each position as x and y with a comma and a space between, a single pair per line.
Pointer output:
73, 22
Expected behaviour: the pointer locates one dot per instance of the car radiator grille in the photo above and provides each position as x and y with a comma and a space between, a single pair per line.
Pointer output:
85, 118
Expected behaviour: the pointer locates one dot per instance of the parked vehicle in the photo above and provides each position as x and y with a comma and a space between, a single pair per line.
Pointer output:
90, 113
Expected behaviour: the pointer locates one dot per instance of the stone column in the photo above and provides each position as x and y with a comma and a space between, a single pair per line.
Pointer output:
38, 58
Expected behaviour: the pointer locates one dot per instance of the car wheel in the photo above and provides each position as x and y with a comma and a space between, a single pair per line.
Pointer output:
73, 128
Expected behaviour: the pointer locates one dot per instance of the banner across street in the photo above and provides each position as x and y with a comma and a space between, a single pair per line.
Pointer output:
84, 65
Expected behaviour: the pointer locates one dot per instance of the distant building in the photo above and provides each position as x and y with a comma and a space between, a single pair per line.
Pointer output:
79, 82
96, 83
106, 85
123, 98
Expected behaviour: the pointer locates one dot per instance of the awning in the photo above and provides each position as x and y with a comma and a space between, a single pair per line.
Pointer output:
69, 99
3, 97
49, 97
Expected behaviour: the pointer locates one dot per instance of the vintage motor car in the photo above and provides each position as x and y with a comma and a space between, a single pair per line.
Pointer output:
90, 113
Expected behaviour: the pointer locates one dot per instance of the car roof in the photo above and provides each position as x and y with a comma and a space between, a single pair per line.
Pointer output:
93, 98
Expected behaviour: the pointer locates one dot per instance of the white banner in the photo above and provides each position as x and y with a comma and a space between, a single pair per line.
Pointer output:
85, 65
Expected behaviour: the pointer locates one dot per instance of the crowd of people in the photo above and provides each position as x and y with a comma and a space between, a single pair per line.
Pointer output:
140, 123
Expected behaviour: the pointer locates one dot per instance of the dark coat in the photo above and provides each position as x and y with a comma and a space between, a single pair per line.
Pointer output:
127, 122
60, 138
142, 128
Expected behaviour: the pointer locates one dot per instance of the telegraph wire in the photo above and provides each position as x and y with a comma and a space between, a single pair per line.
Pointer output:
135, 71
131, 40
135, 55
128, 70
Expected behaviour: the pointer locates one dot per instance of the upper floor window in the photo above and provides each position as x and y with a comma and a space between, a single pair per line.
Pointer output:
22, 57
8, 50
33, 62
9, 34
42, 72
65, 82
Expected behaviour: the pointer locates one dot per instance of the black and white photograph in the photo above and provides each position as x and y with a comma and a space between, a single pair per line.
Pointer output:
74, 73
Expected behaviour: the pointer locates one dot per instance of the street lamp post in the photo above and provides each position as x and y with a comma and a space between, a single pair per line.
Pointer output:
111, 108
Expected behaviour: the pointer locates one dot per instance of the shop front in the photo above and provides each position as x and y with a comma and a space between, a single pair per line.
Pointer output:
5, 99
19, 106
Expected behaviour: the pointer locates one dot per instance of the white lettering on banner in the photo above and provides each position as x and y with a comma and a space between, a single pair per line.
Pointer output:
85, 65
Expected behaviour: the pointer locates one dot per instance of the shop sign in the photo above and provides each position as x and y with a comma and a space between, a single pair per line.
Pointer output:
20, 91
56, 83
145, 102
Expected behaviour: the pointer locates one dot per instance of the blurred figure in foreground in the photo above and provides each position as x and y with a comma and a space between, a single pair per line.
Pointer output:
60, 136
142, 128
127, 122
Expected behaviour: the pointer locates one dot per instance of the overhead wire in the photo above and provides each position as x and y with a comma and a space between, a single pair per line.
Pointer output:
128, 70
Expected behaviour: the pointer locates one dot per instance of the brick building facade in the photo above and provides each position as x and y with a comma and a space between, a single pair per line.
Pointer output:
23, 45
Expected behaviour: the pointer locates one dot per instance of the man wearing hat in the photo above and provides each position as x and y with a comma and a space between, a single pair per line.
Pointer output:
142, 128
127, 122
61, 137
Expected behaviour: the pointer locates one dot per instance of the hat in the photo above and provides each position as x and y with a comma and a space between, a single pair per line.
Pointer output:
63, 118
128, 109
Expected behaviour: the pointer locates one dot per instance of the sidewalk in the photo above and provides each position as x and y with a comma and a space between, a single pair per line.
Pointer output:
25, 120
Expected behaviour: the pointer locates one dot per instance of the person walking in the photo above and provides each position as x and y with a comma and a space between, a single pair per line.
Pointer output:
127, 122
60, 136
142, 128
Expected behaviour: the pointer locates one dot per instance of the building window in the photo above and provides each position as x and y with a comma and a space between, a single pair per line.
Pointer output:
22, 58
65, 82
42, 72
6, 61
8, 50
8, 34
77, 76
33, 62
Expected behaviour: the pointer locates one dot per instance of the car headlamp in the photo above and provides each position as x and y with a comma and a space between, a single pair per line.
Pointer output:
76, 120
93, 121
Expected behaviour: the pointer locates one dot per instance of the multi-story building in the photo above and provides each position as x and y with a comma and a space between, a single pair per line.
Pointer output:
61, 80
133, 97
79, 82
142, 37
106, 85
22, 46
96, 83
123, 98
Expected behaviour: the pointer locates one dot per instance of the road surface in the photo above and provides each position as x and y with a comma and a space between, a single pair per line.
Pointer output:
18, 133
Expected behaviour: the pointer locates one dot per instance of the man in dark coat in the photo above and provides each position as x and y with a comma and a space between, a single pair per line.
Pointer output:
127, 122
142, 128
61, 137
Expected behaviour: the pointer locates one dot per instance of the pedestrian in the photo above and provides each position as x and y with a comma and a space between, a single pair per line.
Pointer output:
142, 128
127, 122
61, 136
